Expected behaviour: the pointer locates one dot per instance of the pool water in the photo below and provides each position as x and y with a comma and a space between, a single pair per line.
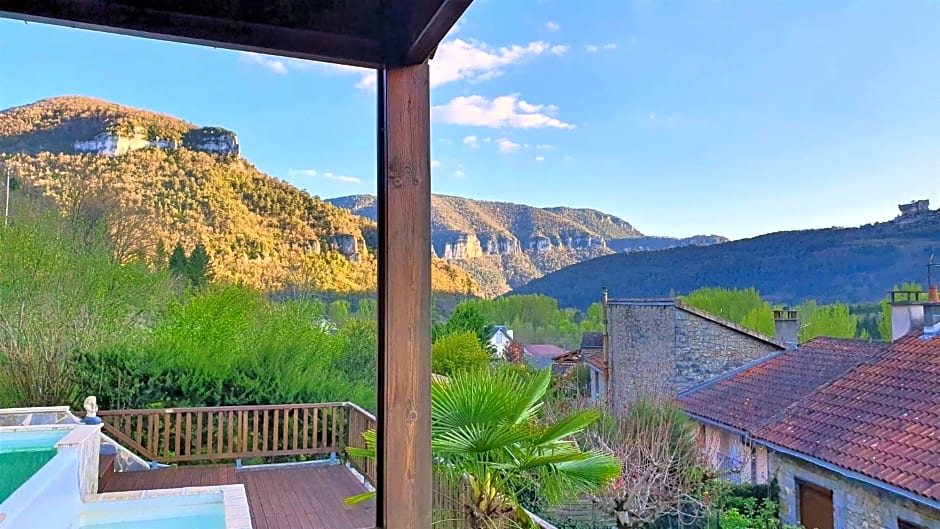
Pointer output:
22, 454
199, 516
17, 467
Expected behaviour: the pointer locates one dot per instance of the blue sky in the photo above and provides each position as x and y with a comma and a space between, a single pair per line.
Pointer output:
702, 116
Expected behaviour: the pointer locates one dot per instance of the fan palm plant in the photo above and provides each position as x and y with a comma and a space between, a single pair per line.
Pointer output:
486, 430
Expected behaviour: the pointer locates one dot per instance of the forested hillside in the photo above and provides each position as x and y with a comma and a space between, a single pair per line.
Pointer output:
503, 245
257, 230
852, 265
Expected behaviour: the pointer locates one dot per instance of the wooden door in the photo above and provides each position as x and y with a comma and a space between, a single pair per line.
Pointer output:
816, 510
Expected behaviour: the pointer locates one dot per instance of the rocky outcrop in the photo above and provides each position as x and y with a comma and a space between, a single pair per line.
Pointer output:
452, 245
213, 140
108, 144
462, 245
346, 244
208, 139
499, 244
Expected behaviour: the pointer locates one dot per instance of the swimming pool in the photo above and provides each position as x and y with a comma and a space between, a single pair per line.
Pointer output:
199, 516
22, 454
175, 512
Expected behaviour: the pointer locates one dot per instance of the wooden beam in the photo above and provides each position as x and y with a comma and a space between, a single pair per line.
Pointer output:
101, 15
404, 200
429, 32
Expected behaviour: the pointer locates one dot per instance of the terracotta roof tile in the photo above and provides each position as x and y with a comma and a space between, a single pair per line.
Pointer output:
596, 360
880, 419
753, 396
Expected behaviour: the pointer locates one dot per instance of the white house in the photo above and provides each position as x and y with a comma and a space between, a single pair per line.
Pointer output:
500, 339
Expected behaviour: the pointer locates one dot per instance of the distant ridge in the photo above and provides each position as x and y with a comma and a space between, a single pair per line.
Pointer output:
504, 245
852, 265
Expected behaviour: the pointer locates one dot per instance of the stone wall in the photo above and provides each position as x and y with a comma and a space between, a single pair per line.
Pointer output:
705, 349
642, 345
658, 349
856, 505
735, 458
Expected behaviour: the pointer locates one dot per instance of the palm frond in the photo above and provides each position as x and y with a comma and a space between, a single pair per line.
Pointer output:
567, 426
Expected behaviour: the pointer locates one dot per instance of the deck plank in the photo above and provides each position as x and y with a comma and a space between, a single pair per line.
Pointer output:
295, 497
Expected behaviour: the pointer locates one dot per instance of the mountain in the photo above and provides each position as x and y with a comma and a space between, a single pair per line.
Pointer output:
159, 181
504, 245
851, 265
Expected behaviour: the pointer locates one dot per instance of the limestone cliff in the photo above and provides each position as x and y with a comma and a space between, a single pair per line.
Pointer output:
504, 245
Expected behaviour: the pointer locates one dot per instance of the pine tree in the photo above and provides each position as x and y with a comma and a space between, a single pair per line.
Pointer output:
197, 268
178, 261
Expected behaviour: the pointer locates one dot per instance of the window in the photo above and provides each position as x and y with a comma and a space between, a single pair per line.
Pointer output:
909, 525
815, 506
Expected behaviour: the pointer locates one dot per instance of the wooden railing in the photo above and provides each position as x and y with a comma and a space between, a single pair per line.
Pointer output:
177, 435
180, 435
359, 421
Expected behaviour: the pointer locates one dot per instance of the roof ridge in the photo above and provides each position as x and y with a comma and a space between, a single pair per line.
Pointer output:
728, 323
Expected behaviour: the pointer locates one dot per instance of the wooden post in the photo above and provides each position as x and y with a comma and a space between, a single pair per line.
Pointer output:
404, 202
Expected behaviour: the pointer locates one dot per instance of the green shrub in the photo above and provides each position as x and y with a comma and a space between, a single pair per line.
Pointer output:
458, 352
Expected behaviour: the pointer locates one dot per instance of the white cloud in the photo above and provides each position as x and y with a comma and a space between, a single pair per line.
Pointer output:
302, 172
455, 60
503, 111
539, 158
552, 26
506, 146
471, 141
341, 178
436, 163
283, 65
473, 60
332, 176
544, 147
274, 64
459, 173
594, 48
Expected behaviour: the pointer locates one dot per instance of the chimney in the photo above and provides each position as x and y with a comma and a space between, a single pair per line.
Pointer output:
787, 327
932, 312
907, 313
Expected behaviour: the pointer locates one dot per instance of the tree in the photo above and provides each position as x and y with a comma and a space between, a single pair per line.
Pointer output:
486, 431
339, 311
661, 474
465, 318
458, 352
367, 309
833, 321
178, 261
197, 267
744, 307
62, 295
884, 324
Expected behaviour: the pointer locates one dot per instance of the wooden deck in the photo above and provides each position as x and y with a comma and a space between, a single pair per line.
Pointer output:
290, 497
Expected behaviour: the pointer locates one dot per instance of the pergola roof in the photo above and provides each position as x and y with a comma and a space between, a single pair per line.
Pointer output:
368, 33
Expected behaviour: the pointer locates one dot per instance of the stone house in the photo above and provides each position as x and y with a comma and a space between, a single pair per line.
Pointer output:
849, 428
660, 347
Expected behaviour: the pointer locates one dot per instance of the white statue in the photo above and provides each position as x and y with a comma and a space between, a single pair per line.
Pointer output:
91, 406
